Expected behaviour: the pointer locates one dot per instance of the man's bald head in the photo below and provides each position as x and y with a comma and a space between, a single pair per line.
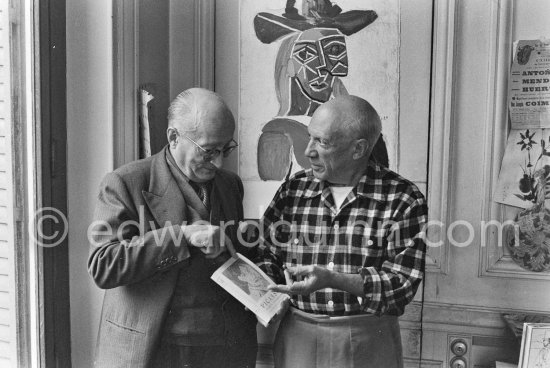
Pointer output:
353, 118
342, 132
197, 106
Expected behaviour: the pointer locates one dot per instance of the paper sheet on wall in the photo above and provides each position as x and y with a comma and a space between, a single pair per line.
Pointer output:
144, 125
526, 158
529, 87
276, 57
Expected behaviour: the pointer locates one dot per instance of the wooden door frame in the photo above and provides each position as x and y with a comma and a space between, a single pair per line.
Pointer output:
54, 297
126, 68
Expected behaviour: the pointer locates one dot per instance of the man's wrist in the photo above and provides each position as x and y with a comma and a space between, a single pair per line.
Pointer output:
352, 283
188, 232
332, 279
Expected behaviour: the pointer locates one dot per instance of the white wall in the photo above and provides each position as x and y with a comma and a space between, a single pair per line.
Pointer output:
90, 154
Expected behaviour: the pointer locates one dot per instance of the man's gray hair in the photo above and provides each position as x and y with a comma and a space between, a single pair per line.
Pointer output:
185, 110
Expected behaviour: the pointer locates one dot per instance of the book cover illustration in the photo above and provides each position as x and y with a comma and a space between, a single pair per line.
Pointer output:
248, 284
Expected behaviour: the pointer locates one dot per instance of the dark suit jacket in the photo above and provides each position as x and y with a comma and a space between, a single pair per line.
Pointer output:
143, 204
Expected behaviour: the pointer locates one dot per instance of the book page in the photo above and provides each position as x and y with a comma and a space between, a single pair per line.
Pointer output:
248, 283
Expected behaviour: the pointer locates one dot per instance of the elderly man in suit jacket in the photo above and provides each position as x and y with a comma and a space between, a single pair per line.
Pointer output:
161, 230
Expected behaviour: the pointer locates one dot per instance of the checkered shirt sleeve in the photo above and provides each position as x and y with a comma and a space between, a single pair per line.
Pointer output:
390, 287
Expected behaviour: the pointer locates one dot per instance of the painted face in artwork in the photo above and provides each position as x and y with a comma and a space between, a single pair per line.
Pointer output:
319, 55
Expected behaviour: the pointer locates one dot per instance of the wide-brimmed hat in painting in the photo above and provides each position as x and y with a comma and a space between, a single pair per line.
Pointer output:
321, 14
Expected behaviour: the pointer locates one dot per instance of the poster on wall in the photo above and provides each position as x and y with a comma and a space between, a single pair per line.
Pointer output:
529, 87
524, 177
525, 170
295, 55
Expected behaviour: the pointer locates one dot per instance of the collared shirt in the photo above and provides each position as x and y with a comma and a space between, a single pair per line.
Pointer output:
377, 233
181, 178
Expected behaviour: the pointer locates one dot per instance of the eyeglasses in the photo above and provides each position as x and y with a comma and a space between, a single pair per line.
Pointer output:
210, 154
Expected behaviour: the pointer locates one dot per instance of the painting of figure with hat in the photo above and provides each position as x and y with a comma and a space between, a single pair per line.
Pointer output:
312, 64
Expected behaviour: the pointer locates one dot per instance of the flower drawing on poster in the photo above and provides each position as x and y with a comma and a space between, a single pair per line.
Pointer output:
533, 183
524, 181
524, 178
301, 54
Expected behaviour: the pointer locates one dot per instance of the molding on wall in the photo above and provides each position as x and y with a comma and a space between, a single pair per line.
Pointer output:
125, 80
495, 260
413, 313
126, 68
469, 319
204, 43
441, 127
483, 330
426, 363
462, 319
20, 187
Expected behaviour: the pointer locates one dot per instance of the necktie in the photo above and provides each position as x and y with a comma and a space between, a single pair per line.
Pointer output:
203, 194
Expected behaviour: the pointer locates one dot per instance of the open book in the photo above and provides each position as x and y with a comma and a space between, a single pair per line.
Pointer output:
248, 284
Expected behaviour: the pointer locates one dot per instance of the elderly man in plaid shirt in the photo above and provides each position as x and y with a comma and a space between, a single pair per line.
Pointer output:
348, 233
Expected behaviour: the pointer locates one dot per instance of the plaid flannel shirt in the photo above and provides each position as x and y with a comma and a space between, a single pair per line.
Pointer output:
377, 233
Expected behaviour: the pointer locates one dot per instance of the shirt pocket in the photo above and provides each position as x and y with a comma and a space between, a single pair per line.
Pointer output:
303, 255
361, 247
305, 245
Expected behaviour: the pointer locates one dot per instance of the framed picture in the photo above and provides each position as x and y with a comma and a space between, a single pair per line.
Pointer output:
535, 346
296, 55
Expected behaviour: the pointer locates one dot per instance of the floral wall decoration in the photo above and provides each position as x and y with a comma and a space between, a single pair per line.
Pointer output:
527, 157
533, 184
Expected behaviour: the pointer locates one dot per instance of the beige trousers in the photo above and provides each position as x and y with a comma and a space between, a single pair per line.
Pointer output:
311, 341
